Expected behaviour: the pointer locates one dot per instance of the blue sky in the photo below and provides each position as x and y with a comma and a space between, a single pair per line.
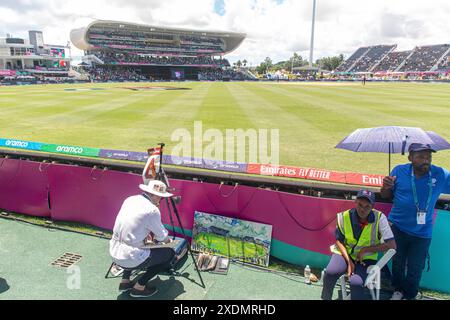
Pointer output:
219, 7
274, 28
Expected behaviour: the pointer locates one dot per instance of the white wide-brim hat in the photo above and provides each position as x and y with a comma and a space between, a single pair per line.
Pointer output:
157, 188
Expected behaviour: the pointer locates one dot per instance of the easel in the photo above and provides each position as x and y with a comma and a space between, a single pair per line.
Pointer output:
170, 202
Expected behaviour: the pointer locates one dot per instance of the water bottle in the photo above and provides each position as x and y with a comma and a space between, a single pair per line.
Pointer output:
307, 275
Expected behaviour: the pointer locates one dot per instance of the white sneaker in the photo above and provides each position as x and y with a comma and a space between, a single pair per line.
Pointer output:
397, 296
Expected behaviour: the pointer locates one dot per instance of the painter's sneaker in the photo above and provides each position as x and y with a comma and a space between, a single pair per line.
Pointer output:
397, 296
146, 293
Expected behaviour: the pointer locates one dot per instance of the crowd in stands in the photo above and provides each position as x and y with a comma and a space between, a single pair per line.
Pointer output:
215, 41
222, 74
156, 43
392, 61
101, 74
424, 58
124, 35
127, 58
144, 36
371, 58
155, 48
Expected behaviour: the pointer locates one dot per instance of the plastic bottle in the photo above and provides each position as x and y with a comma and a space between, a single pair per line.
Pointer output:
307, 275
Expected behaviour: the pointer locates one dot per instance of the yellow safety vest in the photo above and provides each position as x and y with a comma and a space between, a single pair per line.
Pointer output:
369, 236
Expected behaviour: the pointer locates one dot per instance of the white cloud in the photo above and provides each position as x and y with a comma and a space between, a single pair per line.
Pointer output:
275, 28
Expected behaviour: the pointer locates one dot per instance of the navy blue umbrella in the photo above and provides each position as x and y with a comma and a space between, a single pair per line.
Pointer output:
391, 139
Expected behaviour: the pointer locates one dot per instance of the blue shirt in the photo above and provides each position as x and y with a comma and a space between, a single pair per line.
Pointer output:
404, 211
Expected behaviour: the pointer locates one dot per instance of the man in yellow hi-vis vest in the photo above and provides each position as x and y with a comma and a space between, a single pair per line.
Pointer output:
361, 234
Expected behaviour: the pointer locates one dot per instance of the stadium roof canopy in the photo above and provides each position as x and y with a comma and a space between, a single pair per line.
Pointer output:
82, 40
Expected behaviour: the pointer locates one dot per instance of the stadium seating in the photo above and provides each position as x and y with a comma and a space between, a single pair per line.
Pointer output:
223, 74
102, 74
445, 63
392, 61
154, 43
372, 58
124, 58
424, 58
349, 62
381, 59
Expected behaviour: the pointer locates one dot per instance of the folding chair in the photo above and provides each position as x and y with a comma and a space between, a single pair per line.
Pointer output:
373, 281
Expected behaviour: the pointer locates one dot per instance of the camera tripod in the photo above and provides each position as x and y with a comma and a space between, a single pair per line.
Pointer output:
172, 206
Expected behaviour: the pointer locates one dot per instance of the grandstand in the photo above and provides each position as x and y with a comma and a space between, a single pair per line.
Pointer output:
149, 52
382, 58
444, 65
32, 61
392, 61
372, 58
348, 64
425, 58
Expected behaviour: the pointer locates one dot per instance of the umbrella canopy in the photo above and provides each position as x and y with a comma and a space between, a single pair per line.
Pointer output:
386, 139
391, 139
439, 143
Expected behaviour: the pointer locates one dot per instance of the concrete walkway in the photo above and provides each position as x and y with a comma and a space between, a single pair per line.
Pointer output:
27, 251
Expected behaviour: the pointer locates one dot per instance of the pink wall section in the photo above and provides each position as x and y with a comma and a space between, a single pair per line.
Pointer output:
89, 196
95, 196
24, 187
302, 221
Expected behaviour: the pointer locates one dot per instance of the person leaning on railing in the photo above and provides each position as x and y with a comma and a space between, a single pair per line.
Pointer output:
359, 236
414, 188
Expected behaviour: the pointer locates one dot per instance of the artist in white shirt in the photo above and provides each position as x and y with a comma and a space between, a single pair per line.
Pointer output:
138, 219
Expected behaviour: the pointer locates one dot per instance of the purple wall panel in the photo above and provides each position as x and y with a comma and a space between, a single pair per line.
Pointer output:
24, 187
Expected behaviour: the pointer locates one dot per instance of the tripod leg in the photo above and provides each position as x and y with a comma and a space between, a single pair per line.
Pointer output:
171, 218
188, 243
163, 177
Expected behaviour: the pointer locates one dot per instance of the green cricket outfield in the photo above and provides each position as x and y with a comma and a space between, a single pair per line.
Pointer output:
311, 117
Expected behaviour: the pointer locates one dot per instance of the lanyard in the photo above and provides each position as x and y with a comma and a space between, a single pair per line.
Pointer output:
430, 192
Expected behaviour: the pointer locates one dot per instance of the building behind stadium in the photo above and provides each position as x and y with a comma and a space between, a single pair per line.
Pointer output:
27, 60
148, 52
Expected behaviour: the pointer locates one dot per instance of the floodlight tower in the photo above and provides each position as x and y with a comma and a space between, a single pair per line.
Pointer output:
311, 54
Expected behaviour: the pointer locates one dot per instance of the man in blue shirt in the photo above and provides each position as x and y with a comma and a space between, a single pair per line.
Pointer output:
414, 189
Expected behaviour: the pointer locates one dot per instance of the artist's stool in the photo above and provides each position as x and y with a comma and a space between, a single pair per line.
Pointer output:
179, 246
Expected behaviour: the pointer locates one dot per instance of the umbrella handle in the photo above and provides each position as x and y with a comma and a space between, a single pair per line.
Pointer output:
389, 173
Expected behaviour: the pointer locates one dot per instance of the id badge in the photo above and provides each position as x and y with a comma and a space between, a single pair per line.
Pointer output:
421, 217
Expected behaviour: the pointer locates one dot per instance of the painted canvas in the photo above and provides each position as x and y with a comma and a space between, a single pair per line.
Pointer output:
237, 239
